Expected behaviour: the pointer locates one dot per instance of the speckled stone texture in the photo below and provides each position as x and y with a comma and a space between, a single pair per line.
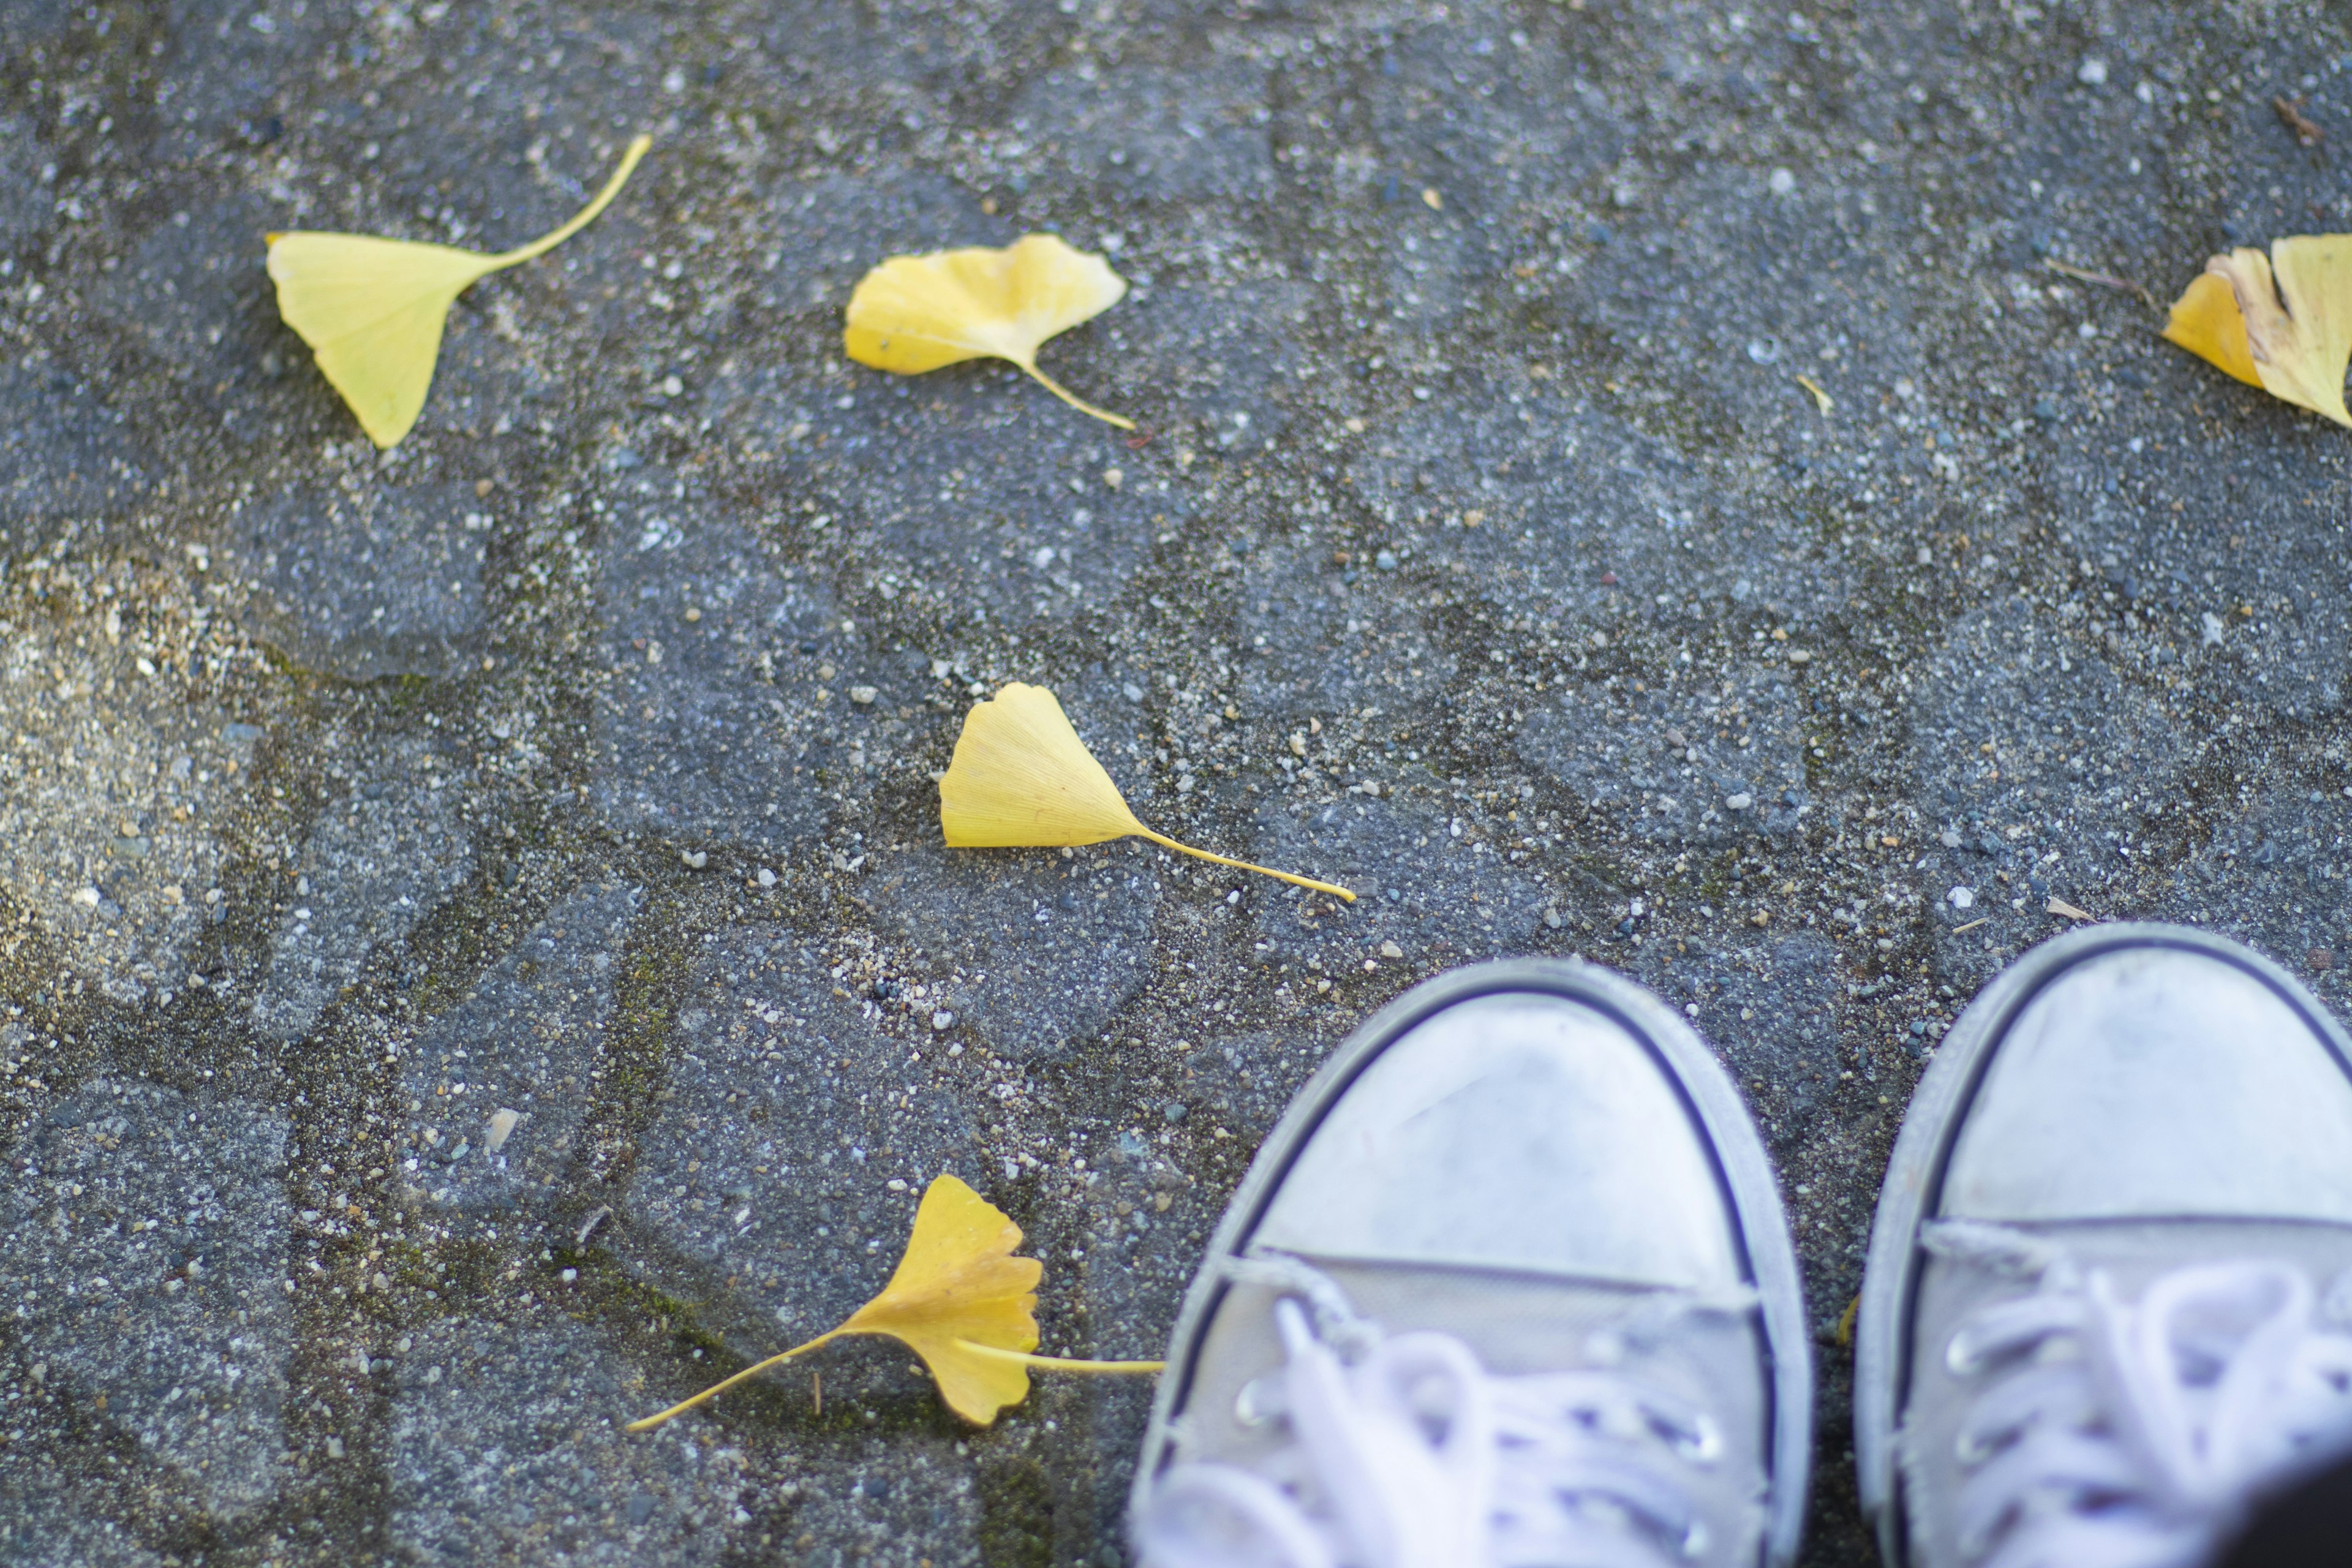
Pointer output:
1478, 548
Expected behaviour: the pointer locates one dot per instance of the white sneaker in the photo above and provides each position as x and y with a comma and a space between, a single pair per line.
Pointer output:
1510, 1285
2106, 1305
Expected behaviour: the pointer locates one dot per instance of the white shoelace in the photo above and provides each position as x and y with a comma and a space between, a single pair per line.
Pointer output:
1406, 1453
2111, 1435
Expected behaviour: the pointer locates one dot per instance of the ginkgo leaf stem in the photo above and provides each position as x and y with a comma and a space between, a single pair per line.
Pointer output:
1162, 838
716, 1389
1080, 404
1059, 1364
581, 219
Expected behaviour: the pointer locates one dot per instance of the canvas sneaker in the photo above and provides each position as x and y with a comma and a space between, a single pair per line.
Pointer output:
1511, 1283
2106, 1303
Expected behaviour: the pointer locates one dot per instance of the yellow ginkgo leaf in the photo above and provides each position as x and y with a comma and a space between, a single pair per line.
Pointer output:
372, 309
1022, 779
961, 1301
959, 1284
2282, 322
915, 313
2205, 321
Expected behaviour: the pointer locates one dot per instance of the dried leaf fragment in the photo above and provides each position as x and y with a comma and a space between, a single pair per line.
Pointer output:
2291, 115
918, 313
2103, 279
959, 1299
1022, 779
372, 309
2282, 322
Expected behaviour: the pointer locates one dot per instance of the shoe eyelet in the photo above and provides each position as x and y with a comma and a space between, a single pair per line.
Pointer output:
1703, 1444
1260, 1402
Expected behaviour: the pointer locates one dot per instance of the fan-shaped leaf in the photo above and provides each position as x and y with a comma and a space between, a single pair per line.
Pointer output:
961, 1301
372, 309
917, 313
2282, 322
1021, 778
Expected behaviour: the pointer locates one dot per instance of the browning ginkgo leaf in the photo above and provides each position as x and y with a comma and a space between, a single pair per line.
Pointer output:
917, 313
1022, 779
372, 309
961, 1301
2282, 322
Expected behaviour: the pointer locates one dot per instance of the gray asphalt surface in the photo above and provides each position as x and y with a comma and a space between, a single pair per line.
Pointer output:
1481, 551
